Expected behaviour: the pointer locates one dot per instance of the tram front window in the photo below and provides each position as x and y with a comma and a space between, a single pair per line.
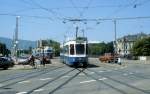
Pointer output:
79, 48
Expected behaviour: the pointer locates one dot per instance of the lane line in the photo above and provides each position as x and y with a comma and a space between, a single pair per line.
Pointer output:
87, 81
43, 79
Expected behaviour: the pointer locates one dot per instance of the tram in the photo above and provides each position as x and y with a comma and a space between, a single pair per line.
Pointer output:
75, 52
46, 52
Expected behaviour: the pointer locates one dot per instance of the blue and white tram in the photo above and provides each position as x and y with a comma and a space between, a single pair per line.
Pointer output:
74, 52
46, 51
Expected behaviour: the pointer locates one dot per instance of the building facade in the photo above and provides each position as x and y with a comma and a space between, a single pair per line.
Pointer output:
124, 45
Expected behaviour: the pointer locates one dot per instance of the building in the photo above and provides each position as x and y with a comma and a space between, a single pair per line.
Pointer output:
125, 44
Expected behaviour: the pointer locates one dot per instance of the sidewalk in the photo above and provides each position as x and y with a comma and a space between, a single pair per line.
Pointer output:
136, 61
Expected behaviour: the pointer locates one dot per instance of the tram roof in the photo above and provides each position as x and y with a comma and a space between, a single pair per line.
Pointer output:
77, 40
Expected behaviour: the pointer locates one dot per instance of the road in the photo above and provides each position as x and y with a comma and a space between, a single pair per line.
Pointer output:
97, 78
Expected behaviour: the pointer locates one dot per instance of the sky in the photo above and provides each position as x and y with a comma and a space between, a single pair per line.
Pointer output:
51, 19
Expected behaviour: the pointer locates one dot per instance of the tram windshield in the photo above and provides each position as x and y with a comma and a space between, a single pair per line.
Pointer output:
80, 49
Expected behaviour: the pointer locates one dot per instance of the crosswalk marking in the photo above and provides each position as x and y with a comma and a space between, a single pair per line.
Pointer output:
21, 93
87, 81
38, 90
27, 81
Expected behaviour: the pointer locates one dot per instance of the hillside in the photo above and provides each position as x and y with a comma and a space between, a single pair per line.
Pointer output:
23, 44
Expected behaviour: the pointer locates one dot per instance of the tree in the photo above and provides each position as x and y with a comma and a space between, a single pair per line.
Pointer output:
3, 50
141, 47
101, 48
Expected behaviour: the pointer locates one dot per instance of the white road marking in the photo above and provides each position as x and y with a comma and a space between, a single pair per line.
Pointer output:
108, 70
21, 93
38, 90
81, 74
1, 85
100, 71
27, 81
102, 78
122, 67
65, 76
87, 81
125, 74
91, 72
43, 79
131, 73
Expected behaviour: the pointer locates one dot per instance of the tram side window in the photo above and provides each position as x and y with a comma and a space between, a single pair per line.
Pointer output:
72, 49
61, 50
86, 48
66, 50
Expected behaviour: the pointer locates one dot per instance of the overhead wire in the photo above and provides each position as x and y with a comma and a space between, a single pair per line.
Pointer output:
24, 10
38, 6
133, 4
74, 6
46, 9
31, 16
122, 8
86, 8
141, 3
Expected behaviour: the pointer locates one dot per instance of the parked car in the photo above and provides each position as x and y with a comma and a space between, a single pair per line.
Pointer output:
6, 62
23, 60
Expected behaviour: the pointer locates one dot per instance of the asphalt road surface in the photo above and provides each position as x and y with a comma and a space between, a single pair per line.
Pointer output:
97, 78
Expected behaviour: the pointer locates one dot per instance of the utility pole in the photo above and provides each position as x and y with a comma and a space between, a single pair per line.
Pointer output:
115, 43
16, 38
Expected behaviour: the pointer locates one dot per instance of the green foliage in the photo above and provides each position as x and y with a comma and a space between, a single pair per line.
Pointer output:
101, 48
54, 44
141, 47
3, 50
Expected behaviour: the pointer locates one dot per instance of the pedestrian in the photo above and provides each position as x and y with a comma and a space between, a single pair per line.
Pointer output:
32, 61
119, 60
44, 61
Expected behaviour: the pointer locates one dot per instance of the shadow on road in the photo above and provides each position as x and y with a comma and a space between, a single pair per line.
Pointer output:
92, 66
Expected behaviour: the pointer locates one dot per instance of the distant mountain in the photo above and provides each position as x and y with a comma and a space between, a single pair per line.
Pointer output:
23, 44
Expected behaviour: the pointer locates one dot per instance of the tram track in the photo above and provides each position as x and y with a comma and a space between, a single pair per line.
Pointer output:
30, 76
55, 79
117, 81
66, 82
127, 71
23, 75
